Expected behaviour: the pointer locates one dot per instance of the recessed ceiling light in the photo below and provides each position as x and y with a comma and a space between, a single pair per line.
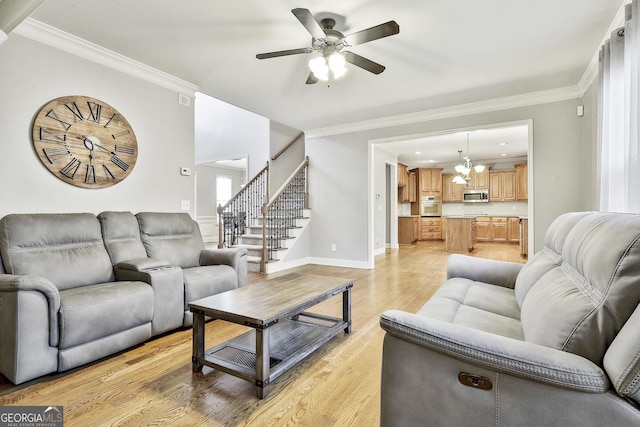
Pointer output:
417, 152
504, 154
503, 143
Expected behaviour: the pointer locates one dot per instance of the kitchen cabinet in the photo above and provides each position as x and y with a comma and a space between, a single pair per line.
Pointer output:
403, 175
499, 229
478, 181
408, 229
451, 192
412, 186
461, 234
406, 187
430, 181
483, 229
513, 230
522, 191
403, 184
443, 228
430, 228
502, 185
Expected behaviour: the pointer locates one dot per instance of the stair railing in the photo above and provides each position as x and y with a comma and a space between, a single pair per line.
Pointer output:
280, 213
243, 209
286, 147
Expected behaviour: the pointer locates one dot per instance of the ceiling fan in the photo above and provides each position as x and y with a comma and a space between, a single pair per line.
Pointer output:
330, 42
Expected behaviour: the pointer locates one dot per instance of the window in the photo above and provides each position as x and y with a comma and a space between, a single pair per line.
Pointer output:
224, 189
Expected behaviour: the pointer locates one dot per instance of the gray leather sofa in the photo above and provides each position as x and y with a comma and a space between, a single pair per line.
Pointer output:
555, 341
75, 288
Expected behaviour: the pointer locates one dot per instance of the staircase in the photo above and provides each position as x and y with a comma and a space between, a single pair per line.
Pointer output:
266, 226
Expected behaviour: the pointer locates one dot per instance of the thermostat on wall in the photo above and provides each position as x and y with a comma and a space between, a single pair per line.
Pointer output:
185, 171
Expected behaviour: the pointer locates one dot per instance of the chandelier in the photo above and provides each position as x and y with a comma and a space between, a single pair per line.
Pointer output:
464, 167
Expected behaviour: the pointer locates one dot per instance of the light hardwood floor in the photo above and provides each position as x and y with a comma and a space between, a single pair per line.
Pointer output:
339, 385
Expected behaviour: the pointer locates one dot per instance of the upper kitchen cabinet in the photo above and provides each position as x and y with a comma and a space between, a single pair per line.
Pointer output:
521, 181
430, 181
412, 187
451, 192
403, 175
406, 184
502, 185
479, 181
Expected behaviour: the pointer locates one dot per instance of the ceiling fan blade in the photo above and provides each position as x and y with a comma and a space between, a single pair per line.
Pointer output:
284, 53
379, 31
363, 62
309, 22
312, 79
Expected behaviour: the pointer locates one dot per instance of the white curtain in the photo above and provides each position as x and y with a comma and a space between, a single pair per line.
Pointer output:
619, 117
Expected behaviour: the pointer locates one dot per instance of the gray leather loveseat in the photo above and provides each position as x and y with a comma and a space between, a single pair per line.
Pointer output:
77, 287
555, 341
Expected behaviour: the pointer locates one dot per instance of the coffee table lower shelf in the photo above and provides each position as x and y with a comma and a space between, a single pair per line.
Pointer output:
290, 341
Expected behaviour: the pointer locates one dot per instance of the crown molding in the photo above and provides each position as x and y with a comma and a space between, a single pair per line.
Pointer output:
51, 36
534, 98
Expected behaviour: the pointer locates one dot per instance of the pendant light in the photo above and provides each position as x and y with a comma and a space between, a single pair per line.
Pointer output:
463, 168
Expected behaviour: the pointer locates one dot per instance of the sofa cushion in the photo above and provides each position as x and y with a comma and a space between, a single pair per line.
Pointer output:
173, 237
622, 360
121, 236
587, 299
550, 256
66, 249
201, 282
477, 305
91, 312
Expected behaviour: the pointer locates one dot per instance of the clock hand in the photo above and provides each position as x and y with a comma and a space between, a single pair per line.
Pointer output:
102, 148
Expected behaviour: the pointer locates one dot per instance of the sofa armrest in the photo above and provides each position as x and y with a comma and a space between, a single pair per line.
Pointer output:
497, 353
142, 264
234, 257
500, 273
26, 283
167, 283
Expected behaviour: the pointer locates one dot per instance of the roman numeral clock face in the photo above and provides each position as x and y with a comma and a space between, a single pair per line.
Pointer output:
85, 142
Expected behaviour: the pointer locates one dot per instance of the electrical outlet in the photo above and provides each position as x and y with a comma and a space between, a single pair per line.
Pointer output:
333, 247
185, 205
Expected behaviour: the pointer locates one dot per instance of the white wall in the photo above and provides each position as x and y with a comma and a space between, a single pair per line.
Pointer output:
339, 197
224, 131
280, 169
339, 182
32, 74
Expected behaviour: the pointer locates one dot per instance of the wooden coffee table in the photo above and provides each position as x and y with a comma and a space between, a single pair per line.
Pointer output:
283, 332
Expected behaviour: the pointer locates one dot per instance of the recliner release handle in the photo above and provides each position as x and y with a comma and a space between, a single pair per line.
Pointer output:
475, 381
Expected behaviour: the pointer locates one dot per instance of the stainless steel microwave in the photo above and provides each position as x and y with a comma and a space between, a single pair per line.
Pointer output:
475, 196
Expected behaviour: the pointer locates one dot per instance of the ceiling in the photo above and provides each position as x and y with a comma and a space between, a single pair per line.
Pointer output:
446, 54
484, 146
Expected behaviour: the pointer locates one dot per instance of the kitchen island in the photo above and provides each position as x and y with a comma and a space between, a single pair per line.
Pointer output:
461, 233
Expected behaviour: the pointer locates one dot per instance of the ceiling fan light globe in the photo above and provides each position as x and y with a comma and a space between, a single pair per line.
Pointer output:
319, 68
459, 168
458, 180
479, 168
336, 64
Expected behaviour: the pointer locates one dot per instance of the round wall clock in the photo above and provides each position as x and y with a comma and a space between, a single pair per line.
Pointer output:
84, 142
